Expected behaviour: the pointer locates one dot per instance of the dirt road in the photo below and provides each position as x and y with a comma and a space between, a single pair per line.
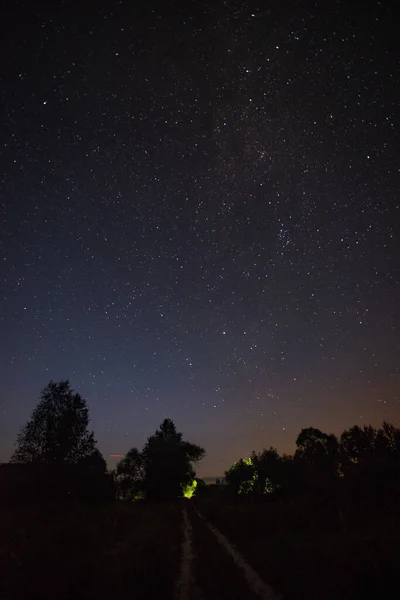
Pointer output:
211, 568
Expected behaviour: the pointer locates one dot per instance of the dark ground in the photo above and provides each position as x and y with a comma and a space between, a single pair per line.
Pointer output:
303, 557
102, 552
89, 552
215, 573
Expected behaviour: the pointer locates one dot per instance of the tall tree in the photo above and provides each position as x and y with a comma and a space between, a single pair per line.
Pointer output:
358, 445
371, 463
361, 445
168, 462
241, 477
318, 450
57, 432
317, 455
268, 465
260, 475
389, 438
130, 474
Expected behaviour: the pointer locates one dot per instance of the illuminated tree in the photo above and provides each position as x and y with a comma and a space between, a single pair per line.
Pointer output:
241, 477
163, 470
268, 467
190, 489
260, 475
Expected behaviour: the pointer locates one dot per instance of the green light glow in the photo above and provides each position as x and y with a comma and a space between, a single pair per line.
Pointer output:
189, 489
139, 496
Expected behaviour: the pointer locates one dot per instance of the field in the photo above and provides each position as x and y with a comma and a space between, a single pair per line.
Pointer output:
89, 552
139, 549
304, 558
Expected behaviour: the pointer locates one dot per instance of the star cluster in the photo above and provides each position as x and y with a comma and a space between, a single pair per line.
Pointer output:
199, 219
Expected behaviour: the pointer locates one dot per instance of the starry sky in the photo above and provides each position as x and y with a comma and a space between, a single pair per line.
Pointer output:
199, 218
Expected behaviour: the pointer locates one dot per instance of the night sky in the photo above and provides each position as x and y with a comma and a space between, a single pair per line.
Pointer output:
200, 217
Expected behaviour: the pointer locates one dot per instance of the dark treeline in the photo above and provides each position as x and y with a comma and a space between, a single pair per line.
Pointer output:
336, 474
56, 457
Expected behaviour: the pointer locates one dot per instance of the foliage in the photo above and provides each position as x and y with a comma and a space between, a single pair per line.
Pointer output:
318, 457
267, 466
361, 445
167, 460
163, 470
371, 464
57, 432
130, 474
242, 476
318, 450
363, 461
190, 489
96, 551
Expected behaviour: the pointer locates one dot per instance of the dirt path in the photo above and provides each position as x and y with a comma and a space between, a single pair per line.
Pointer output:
212, 569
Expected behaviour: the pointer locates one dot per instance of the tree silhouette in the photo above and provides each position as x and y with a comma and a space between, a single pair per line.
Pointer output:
163, 470
130, 474
335, 479
262, 474
358, 445
268, 468
57, 432
370, 463
319, 451
389, 437
241, 477
168, 462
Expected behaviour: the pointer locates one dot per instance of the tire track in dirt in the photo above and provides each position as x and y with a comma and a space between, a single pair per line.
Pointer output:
186, 588
259, 588
212, 568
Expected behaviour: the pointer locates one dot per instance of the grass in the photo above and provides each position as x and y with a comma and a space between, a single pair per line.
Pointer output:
102, 551
89, 552
304, 557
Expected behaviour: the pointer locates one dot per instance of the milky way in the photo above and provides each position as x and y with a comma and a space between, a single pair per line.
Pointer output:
199, 219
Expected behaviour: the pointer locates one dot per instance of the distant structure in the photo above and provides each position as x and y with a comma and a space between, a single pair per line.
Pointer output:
214, 480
